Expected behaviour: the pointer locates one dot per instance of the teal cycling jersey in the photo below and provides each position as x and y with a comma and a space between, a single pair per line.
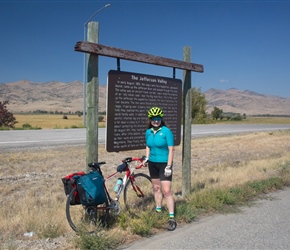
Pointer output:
159, 143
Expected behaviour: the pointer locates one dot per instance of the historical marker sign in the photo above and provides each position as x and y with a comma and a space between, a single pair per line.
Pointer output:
130, 95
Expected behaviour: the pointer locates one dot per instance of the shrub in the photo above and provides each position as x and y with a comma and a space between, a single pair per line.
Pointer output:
236, 118
99, 240
26, 126
100, 118
7, 119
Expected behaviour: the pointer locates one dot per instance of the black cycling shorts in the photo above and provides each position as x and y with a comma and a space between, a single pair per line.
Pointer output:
156, 171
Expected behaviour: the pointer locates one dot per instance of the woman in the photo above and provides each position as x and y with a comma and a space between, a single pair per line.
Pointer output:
159, 154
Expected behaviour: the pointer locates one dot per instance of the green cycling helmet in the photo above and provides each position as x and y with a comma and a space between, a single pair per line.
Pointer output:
155, 111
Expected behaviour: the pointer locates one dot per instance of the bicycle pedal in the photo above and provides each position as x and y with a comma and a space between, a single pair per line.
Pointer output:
90, 210
115, 206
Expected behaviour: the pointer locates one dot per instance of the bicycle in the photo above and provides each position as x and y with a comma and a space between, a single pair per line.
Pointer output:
138, 196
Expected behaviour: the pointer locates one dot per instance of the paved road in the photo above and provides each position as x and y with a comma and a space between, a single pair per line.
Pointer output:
61, 137
226, 129
266, 225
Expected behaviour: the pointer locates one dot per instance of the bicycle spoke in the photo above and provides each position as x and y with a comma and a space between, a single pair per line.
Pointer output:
86, 219
138, 194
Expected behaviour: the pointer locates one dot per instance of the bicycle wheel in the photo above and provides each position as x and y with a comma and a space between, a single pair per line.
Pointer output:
138, 194
86, 218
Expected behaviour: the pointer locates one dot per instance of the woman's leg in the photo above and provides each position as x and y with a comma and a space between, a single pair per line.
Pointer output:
157, 192
166, 188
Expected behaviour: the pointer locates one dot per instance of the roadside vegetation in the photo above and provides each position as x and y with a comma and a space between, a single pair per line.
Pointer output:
227, 172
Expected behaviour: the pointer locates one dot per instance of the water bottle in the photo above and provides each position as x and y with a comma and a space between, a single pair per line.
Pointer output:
28, 234
118, 185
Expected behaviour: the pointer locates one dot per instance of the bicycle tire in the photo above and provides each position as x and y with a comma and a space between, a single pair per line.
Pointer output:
86, 219
138, 194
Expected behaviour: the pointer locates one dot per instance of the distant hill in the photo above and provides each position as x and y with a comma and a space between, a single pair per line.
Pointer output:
25, 96
248, 102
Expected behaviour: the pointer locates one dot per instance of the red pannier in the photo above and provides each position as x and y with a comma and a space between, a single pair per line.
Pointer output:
69, 183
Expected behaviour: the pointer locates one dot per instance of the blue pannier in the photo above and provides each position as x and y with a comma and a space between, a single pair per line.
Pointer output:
91, 189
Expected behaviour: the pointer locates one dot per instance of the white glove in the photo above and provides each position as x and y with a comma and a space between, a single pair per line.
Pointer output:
145, 161
167, 171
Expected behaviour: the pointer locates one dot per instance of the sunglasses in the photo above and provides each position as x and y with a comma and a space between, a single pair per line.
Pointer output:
156, 119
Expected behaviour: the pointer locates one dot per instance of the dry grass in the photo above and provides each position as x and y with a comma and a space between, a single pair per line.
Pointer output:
49, 121
32, 192
233, 160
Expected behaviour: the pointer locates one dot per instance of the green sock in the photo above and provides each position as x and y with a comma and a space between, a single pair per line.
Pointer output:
158, 209
171, 215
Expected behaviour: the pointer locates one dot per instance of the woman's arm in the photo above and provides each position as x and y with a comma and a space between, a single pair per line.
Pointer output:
170, 155
147, 152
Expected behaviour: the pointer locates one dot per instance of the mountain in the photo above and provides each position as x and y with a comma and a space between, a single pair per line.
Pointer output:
25, 96
248, 102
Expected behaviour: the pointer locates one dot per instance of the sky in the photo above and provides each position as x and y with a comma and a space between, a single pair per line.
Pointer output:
241, 44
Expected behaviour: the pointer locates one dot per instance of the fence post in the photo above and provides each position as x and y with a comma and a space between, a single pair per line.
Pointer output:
186, 146
92, 98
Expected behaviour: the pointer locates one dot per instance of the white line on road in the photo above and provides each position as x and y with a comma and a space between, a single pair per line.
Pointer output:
238, 130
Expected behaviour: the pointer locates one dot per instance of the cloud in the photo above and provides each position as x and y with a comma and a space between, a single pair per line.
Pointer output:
224, 81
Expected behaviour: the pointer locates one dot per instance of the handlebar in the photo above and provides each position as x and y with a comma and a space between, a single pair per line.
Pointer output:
95, 164
124, 165
130, 159
120, 168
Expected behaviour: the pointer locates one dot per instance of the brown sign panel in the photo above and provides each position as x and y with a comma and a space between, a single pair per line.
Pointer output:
130, 96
